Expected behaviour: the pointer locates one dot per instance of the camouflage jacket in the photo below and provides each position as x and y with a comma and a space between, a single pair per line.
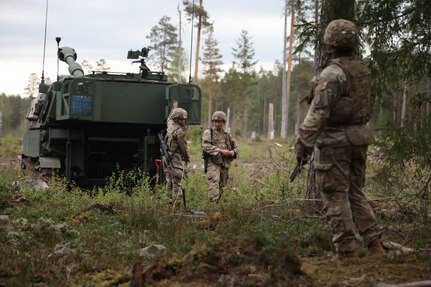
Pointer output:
177, 144
213, 142
341, 106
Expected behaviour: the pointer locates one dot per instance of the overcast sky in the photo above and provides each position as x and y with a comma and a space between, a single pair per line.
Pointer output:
107, 29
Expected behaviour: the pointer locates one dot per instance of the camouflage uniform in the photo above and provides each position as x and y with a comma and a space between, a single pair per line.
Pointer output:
336, 126
177, 144
218, 165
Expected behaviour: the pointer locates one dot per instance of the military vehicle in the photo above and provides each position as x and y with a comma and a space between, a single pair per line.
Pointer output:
86, 127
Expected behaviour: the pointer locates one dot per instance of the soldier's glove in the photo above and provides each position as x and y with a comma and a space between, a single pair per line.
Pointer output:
301, 154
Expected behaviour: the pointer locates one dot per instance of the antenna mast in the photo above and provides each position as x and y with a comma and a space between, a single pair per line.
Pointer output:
58, 39
191, 44
44, 43
180, 52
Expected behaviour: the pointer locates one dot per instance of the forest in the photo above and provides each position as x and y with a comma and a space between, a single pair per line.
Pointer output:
267, 230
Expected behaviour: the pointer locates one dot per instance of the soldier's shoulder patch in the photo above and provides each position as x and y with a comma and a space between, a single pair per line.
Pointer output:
206, 135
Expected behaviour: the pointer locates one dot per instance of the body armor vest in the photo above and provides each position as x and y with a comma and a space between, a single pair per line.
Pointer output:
354, 107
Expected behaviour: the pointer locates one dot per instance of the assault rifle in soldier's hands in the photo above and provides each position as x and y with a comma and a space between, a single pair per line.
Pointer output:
164, 150
297, 170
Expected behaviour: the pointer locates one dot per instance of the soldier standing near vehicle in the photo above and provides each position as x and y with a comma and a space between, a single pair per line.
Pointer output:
177, 144
219, 150
336, 128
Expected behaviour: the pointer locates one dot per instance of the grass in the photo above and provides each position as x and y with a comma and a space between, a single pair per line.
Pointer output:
259, 206
10, 145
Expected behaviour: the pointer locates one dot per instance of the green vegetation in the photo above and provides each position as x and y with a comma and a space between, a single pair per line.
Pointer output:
67, 236
10, 145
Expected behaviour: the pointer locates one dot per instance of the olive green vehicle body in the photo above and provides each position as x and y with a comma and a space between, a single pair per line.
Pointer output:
89, 126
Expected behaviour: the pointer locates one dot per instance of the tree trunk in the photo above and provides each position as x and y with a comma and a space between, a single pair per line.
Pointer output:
404, 104
1, 124
316, 44
271, 122
210, 102
298, 88
198, 44
285, 108
283, 131
227, 120
394, 109
289, 66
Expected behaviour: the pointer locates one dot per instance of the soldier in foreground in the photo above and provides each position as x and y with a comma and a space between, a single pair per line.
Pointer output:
336, 128
177, 144
219, 150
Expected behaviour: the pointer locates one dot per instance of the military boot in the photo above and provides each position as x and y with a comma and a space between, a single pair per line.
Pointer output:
375, 249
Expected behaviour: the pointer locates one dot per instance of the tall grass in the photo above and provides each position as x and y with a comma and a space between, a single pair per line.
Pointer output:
10, 145
259, 204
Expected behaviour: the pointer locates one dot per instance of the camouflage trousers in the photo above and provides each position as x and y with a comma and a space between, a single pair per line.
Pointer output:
174, 177
217, 177
340, 177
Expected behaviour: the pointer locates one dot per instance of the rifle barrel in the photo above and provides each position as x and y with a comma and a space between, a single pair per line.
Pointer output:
295, 172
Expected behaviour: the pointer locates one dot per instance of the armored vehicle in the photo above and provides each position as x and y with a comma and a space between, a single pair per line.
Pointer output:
86, 127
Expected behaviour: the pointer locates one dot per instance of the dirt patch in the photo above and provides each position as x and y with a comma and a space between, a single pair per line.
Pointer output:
9, 161
227, 262
367, 272
258, 262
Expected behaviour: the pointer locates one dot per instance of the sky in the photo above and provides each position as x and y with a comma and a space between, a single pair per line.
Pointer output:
107, 29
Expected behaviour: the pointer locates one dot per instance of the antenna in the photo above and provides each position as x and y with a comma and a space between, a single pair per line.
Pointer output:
191, 45
179, 46
44, 44
58, 39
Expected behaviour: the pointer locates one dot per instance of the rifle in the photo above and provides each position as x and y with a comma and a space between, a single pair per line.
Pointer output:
297, 170
206, 157
164, 150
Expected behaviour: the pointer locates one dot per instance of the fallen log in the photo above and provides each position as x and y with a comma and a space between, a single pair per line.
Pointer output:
396, 246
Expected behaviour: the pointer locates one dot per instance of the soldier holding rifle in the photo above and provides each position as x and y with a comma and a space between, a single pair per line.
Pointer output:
176, 156
219, 150
336, 130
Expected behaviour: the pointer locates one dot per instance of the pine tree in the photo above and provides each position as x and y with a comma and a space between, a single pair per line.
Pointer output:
202, 22
179, 62
32, 89
212, 62
164, 39
244, 52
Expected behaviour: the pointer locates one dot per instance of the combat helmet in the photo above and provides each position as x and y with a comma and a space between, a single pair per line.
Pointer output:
178, 113
219, 115
341, 34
